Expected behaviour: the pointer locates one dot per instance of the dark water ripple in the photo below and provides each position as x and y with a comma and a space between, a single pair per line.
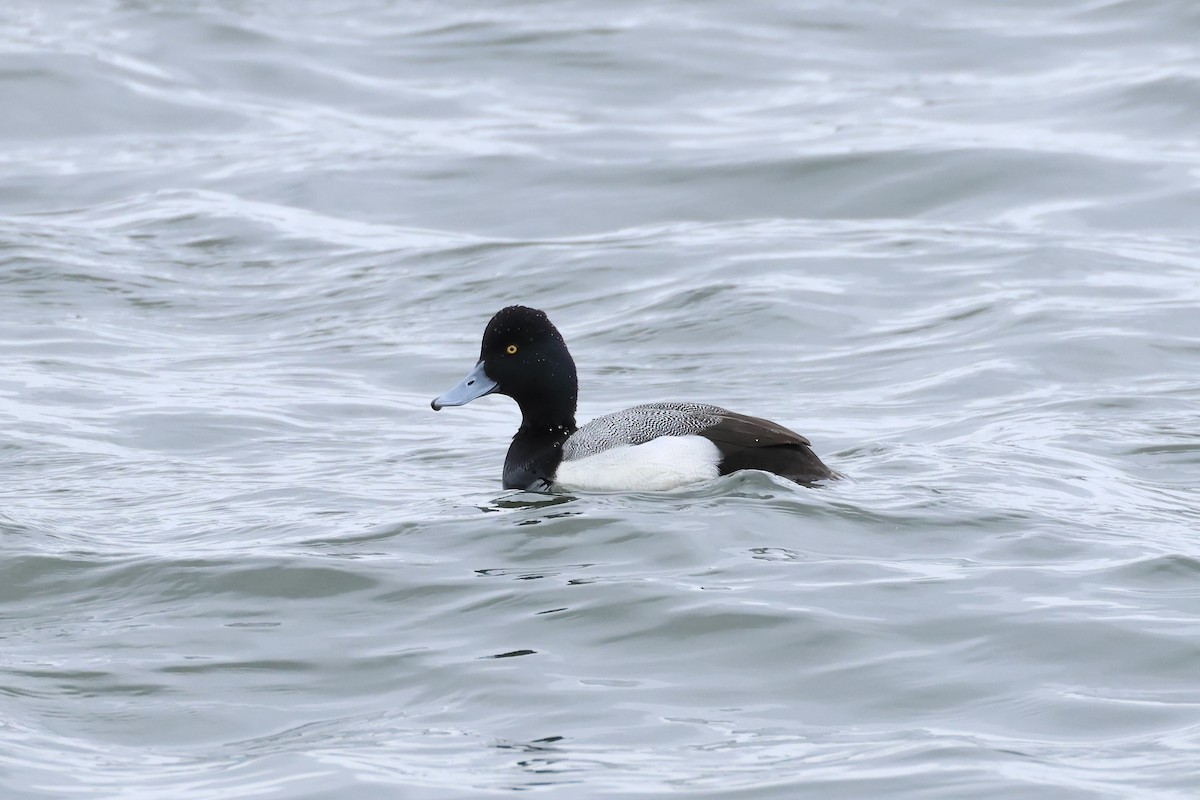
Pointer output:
243, 244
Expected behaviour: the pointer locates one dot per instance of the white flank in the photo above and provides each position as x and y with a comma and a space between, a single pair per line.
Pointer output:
662, 463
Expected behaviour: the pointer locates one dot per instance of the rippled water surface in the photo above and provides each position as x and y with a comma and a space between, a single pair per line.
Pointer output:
244, 243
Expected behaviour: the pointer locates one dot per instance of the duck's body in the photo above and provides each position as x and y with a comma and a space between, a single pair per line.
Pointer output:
648, 447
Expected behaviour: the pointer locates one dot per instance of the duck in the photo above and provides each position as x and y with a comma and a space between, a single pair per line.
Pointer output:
650, 447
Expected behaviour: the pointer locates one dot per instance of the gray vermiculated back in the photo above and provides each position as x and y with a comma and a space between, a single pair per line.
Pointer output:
640, 424
957, 248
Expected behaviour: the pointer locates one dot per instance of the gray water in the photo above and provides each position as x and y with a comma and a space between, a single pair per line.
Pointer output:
244, 243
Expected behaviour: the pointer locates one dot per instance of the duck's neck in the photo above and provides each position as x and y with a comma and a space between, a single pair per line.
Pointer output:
536, 450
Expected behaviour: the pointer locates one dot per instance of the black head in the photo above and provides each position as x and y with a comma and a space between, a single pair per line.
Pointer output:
523, 356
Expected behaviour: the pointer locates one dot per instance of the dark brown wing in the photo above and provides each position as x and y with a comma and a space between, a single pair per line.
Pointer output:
753, 443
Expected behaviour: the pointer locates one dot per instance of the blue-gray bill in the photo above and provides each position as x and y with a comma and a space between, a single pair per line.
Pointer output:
472, 387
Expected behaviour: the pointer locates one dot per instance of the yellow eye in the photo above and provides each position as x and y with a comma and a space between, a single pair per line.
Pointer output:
511, 349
